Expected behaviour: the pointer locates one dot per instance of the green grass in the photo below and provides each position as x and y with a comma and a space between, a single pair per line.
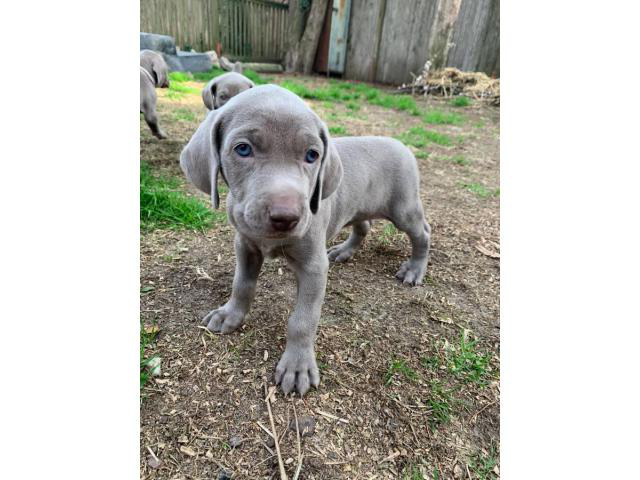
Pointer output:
184, 115
180, 88
481, 190
467, 363
441, 403
482, 465
458, 159
351, 92
419, 137
399, 366
412, 472
337, 130
432, 363
145, 340
461, 101
352, 105
437, 117
180, 77
162, 205
216, 72
388, 233
421, 154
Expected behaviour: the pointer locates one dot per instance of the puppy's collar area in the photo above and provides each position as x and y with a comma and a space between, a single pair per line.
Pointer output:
153, 82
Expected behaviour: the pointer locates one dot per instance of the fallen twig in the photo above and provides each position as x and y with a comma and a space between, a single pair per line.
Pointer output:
274, 435
295, 414
333, 417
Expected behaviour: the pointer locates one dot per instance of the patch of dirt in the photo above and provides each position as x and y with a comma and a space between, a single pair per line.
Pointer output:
211, 392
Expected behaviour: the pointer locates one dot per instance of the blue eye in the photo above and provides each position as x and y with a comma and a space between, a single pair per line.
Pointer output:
311, 156
243, 149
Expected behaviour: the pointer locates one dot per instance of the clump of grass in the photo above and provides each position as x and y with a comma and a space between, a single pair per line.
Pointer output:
351, 105
145, 339
458, 159
206, 76
216, 72
181, 88
482, 464
461, 101
350, 92
437, 117
388, 232
256, 78
432, 362
162, 205
419, 137
337, 130
180, 77
480, 190
466, 363
399, 366
412, 472
184, 115
441, 404
421, 154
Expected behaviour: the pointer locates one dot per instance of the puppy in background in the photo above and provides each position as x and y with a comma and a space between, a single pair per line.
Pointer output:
221, 89
154, 73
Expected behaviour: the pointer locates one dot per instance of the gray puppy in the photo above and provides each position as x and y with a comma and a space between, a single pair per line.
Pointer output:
292, 188
221, 89
154, 72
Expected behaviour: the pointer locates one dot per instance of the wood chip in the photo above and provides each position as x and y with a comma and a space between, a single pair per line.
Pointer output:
188, 450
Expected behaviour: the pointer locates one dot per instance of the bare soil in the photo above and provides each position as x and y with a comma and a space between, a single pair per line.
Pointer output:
210, 394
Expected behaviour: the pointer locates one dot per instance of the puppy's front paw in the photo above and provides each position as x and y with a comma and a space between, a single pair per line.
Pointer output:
223, 320
297, 370
410, 273
340, 253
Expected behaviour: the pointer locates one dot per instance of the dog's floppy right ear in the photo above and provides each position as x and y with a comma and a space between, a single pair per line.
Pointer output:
200, 160
209, 94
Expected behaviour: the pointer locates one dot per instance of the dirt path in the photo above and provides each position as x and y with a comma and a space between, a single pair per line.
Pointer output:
414, 399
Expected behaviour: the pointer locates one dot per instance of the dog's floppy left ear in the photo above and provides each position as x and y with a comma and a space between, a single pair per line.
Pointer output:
329, 173
161, 72
209, 95
200, 160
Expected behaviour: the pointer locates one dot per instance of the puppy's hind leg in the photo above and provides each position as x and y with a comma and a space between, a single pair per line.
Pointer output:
149, 112
344, 251
419, 232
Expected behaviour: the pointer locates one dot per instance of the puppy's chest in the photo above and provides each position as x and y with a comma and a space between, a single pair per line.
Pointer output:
271, 251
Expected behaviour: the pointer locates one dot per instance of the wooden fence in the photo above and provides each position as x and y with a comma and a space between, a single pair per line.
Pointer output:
390, 39
252, 30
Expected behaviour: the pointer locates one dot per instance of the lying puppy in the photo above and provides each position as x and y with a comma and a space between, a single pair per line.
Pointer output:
154, 72
221, 89
292, 188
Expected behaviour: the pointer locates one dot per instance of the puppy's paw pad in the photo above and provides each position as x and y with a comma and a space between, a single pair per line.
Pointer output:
223, 320
297, 371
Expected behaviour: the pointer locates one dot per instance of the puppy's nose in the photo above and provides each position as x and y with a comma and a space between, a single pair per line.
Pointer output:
283, 218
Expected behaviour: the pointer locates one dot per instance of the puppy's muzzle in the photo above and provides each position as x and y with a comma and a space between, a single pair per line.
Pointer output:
284, 213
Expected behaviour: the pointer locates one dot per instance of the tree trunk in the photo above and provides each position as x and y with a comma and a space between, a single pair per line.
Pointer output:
295, 28
300, 56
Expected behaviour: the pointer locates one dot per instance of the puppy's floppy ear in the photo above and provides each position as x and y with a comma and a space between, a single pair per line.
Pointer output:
161, 72
200, 159
209, 94
329, 173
